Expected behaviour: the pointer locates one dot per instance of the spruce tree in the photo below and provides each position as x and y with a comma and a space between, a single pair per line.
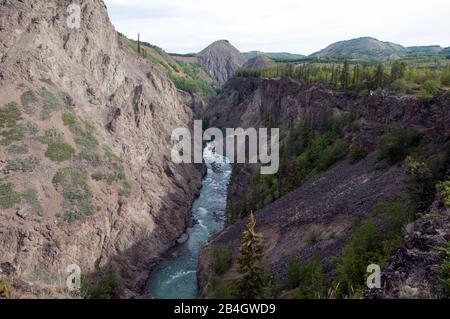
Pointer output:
139, 43
251, 283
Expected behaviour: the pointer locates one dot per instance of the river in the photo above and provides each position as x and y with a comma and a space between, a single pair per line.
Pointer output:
175, 277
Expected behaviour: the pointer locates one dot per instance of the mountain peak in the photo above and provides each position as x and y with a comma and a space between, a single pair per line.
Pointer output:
221, 59
363, 47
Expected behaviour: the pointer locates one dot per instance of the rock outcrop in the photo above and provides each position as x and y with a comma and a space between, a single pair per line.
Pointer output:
259, 62
220, 59
116, 111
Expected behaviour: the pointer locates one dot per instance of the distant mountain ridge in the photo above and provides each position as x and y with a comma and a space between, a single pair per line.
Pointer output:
279, 56
365, 47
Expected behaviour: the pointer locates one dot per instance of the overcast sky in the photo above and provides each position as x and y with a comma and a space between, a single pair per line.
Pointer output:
295, 26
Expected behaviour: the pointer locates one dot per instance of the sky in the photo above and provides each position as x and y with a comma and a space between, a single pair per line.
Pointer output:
296, 26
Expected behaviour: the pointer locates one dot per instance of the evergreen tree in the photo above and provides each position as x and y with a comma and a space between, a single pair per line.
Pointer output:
379, 77
345, 75
139, 43
252, 282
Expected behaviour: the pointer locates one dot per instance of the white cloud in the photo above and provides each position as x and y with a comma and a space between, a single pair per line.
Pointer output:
296, 26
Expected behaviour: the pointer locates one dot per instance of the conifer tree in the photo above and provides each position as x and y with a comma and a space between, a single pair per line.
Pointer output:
251, 284
139, 43
345, 76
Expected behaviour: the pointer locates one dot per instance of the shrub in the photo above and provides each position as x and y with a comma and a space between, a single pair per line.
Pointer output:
51, 136
332, 154
395, 145
293, 273
27, 164
69, 119
419, 184
77, 195
50, 104
364, 248
220, 289
356, 153
8, 197
9, 115
29, 101
445, 78
30, 196
221, 260
443, 188
431, 87
311, 281
59, 152
17, 149
105, 289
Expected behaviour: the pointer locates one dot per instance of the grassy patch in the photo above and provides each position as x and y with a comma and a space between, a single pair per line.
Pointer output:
60, 152
30, 196
9, 116
77, 195
125, 190
27, 164
8, 196
17, 149
50, 104
443, 189
51, 136
29, 101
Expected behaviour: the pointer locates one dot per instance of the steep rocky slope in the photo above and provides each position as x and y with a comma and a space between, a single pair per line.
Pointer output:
86, 176
331, 202
220, 59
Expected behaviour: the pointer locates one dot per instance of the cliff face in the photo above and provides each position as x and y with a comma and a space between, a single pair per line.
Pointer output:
328, 204
221, 60
80, 87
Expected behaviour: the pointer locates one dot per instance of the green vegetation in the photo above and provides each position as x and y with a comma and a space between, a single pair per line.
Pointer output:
30, 196
77, 195
221, 260
50, 104
9, 131
419, 184
106, 288
423, 76
356, 153
125, 190
250, 285
443, 189
185, 76
60, 152
51, 136
444, 273
307, 278
370, 245
29, 101
220, 289
8, 197
17, 149
27, 164
395, 145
